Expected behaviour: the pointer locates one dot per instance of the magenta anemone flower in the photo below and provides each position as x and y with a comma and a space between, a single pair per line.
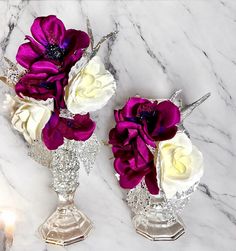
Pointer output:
133, 159
80, 127
139, 124
51, 46
40, 86
158, 120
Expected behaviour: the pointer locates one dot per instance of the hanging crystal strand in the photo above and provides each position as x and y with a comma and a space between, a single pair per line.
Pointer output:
67, 224
158, 221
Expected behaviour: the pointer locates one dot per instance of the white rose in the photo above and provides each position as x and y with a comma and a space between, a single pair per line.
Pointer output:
30, 118
10, 104
90, 89
181, 164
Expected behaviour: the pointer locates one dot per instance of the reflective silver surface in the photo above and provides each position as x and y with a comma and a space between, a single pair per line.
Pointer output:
67, 224
158, 222
154, 216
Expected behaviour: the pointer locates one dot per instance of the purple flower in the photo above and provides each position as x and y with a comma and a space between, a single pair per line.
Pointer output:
81, 127
133, 159
51, 134
158, 120
40, 86
140, 123
52, 47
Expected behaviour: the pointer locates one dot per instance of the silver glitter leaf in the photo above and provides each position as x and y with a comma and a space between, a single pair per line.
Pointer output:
87, 152
12, 73
82, 152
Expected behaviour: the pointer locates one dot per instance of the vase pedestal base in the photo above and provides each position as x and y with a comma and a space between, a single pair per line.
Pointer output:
161, 231
67, 225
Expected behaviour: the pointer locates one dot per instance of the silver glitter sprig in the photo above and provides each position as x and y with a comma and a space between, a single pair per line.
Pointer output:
186, 110
88, 55
95, 49
12, 73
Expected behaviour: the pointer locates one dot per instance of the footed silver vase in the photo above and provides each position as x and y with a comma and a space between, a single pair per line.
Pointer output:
67, 224
153, 216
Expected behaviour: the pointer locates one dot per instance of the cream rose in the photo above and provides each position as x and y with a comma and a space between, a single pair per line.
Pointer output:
90, 88
181, 164
10, 104
30, 118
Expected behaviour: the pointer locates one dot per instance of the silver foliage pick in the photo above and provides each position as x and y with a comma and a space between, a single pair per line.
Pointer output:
12, 73
90, 32
87, 56
174, 96
87, 152
102, 40
96, 48
188, 109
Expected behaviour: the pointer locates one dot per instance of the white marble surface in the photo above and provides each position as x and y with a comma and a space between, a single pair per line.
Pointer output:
161, 46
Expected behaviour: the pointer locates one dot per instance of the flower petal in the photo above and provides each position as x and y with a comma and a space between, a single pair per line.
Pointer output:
44, 66
166, 133
74, 42
79, 128
142, 151
39, 48
37, 32
131, 179
122, 166
170, 114
52, 137
130, 108
151, 181
26, 55
48, 30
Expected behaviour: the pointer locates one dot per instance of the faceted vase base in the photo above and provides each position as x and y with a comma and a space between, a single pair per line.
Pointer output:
66, 226
161, 231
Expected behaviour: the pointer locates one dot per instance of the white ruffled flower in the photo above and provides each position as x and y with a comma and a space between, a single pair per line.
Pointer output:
10, 104
90, 88
181, 164
30, 119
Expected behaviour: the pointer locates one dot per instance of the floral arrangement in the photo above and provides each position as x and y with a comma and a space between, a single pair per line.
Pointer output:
145, 128
61, 83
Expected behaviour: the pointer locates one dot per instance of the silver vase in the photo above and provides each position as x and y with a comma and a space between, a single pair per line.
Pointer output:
67, 224
156, 217
153, 215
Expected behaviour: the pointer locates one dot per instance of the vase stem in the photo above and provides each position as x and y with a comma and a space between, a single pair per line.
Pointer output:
67, 224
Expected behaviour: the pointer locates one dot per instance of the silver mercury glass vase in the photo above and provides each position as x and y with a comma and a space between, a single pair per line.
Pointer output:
154, 216
67, 224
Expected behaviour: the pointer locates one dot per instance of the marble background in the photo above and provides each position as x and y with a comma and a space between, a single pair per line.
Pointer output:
161, 46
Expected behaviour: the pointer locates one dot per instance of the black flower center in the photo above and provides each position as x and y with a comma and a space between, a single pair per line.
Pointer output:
47, 85
70, 123
147, 115
144, 115
54, 52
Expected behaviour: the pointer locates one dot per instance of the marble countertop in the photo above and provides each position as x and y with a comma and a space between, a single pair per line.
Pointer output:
161, 46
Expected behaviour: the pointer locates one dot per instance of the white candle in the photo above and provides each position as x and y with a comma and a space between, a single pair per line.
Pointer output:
2, 235
8, 218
